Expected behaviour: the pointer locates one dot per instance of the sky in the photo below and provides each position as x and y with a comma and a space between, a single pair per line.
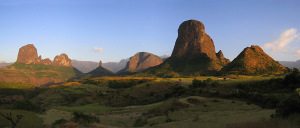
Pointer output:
111, 30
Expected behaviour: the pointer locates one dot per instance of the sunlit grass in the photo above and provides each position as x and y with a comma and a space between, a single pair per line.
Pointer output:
16, 85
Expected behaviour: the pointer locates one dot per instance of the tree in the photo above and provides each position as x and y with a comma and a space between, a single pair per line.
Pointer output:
9, 117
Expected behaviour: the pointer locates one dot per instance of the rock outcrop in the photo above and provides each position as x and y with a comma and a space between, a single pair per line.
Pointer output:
253, 61
62, 60
46, 61
141, 61
192, 41
28, 55
100, 64
222, 59
193, 54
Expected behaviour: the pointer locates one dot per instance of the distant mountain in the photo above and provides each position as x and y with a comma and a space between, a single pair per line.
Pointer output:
85, 66
116, 66
165, 57
4, 64
141, 61
253, 61
291, 64
88, 66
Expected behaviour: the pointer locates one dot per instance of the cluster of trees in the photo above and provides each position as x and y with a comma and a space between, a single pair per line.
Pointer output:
277, 93
202, 83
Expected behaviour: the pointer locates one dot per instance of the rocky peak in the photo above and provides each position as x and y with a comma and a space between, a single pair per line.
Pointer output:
220, 54
27, 54
223, 60
46, 61
62, 60
141, 61
192, 41
100, 63
253, 61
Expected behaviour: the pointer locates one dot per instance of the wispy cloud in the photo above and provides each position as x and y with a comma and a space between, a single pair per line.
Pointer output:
298, 53
95, 49
280, 45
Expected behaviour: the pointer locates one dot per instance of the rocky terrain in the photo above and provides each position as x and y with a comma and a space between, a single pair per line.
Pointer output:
253, 61
141, 61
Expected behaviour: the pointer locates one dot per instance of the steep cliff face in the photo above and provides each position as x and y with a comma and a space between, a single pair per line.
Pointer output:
27, 54
193, 54
142, 61
192, 41
253, 61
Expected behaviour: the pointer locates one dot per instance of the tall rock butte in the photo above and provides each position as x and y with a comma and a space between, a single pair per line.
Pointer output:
141, 61
28, 55
193, 54
192, 41
253, 61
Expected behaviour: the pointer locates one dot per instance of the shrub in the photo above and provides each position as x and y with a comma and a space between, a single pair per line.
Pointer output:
25, 105
289, 106
58, 123
82, 118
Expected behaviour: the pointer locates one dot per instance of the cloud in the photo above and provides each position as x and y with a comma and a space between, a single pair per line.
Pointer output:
298, 52
95, 49
280, 45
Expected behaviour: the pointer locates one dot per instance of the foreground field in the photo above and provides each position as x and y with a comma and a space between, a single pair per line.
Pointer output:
205, 102
201, 112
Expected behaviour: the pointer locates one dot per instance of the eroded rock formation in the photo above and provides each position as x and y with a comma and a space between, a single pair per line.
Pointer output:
62, 60
28, 55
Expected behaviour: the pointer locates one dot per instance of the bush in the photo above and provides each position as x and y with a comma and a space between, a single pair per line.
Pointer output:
82, 118
289, 106
208, 82
59, 123
25, 105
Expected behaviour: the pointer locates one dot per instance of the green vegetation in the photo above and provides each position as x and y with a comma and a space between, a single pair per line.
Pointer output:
16, 85
38, 74
90, 108
82, 118
29, 119
184, 67
130, 101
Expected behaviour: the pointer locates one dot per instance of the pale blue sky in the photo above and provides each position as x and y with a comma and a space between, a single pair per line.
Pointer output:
124, 27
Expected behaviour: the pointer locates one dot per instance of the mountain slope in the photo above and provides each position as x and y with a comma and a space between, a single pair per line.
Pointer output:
253, 61
141, 61
100, 71
193, 54
37, 74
